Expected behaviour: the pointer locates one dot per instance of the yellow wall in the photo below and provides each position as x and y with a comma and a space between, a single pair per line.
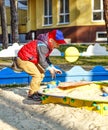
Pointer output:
0, 30
83, 13
22, 29
31, 18
80, 14
8, 15
9, 30
22, 18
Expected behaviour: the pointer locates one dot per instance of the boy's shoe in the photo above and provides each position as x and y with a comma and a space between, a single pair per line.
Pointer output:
35, 97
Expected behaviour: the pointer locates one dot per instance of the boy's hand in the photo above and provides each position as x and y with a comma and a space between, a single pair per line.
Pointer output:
52, 72
58, 71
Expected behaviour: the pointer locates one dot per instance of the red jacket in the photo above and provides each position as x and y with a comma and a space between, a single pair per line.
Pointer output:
29, 52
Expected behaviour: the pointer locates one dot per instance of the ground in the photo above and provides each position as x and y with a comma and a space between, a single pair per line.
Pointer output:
18, 113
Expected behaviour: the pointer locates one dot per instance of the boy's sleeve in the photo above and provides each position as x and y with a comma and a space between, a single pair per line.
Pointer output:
43, 61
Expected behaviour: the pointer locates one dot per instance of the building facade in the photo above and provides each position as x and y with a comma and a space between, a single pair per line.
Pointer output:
82, 21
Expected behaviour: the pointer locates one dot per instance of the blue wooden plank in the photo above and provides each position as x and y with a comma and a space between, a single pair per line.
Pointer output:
8, 76
76, 73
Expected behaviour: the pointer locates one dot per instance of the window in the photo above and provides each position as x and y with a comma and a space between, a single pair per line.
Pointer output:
101, 36
64, 11
97, 8
47, 12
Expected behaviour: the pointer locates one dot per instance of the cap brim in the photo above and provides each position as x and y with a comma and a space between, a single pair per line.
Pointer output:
61, 42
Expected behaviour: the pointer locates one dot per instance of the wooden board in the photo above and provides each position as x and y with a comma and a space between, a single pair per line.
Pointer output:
69, 85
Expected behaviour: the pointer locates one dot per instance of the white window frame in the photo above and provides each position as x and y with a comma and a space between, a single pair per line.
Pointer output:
99, 10
100, 39
48, 16
62, 14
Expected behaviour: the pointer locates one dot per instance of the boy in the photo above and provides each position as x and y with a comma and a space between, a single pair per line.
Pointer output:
33, 58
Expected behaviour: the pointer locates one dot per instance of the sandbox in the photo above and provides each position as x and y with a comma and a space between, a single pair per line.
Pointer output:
88, 95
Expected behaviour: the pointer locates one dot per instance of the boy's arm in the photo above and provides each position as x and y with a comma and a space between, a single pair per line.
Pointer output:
43, 61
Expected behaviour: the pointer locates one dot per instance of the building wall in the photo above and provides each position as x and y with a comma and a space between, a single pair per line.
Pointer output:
31, 16
81, 28
80, 14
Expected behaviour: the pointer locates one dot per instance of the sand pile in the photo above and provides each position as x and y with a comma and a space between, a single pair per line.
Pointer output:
18, 113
